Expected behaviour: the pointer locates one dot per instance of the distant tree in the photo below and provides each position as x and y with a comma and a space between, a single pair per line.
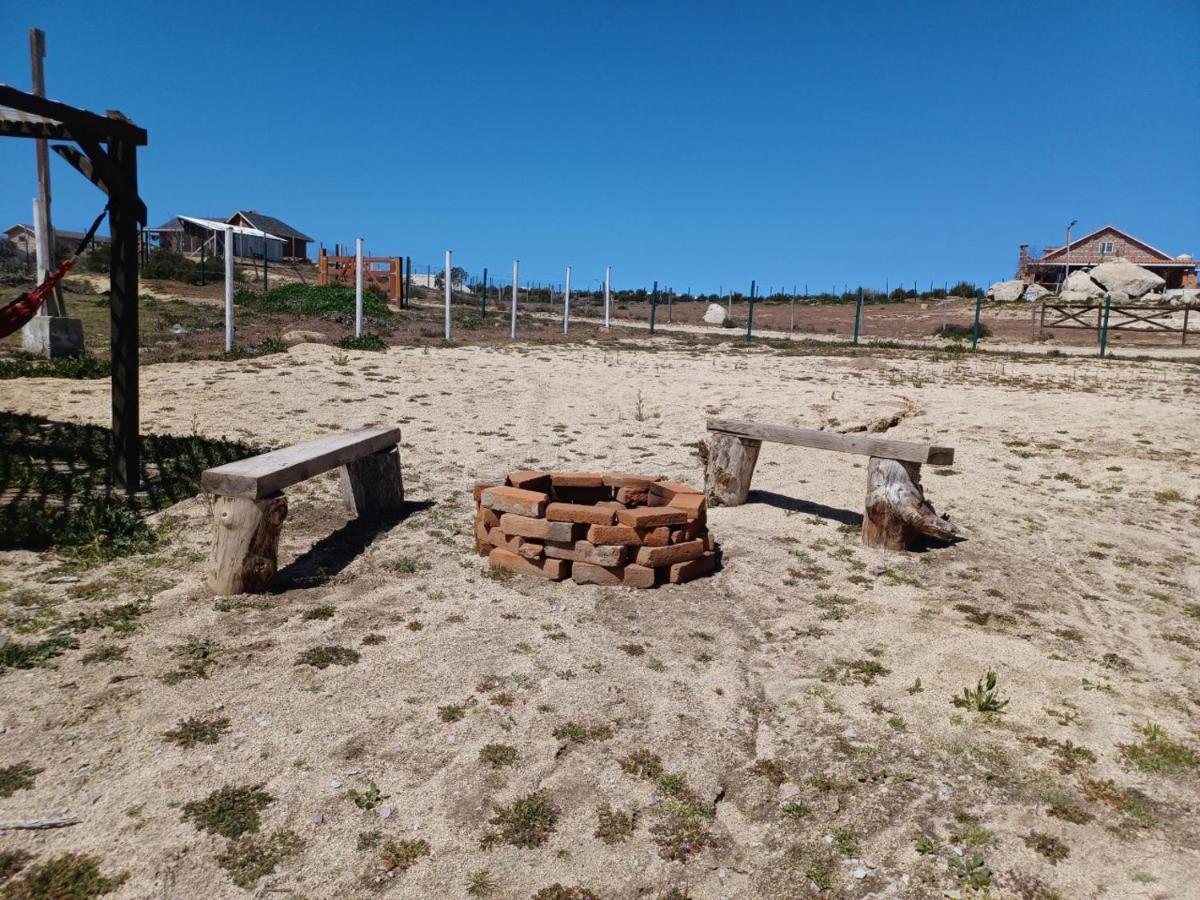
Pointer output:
963, 289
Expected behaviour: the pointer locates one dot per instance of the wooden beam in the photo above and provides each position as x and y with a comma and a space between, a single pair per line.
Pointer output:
81, 164
105, 128
884, 448
119, 188
123, 283
268, 473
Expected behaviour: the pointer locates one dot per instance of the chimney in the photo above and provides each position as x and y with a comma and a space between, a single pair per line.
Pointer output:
1023, 261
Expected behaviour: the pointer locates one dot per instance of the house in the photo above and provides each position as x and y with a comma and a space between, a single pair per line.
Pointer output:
22, 239
295, 243
1105, 243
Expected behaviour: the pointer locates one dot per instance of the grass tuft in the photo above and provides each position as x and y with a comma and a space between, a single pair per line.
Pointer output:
230, 811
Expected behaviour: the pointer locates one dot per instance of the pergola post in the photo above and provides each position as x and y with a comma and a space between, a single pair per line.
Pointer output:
123, 284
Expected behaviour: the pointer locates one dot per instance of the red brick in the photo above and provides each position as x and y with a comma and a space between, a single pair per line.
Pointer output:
614, 534
656, 537
587, 573
584, 551
538, 529
665, 556
489, 517
638, 576
579, 512
498, 538
621, 479
633, 496
577, 479
530, 480
668, 490
692, 568
530, 550
514, 500
651, 517
552, 569
610, 504
587, 495
692, 504
481, 486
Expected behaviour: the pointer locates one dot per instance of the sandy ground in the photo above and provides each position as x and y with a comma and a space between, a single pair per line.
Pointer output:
1075, 484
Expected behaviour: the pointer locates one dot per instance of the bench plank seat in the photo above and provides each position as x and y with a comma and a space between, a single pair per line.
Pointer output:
884, 448
262, 476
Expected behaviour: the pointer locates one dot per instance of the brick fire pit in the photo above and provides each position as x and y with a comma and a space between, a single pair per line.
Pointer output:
595, 528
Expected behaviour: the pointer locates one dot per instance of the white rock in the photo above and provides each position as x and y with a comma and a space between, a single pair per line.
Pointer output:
385, 812
336, 783
1078, 296
716, 314
1007, 291
1081, 282
860, 873
1152, 297
850, 733
64, 579
1122, 275
300, 336
1035, 292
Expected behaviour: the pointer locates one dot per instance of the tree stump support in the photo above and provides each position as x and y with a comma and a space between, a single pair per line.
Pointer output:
245, 543
373, 486
898, 517
729, 468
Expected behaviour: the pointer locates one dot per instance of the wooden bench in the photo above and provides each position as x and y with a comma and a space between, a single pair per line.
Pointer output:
897, 517
250, 506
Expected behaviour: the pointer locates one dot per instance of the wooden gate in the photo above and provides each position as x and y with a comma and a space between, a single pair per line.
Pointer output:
383, 272
1142, 318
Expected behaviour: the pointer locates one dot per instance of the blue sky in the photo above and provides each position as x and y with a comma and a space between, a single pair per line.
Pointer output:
701, 144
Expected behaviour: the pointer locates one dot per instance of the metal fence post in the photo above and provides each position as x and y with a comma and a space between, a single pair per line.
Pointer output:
975, 328
1104, 326
653, 306
512, 334
858, 315
483, 295
750, 312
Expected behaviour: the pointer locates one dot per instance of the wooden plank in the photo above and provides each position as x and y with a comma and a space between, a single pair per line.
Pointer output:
123, 293
108, 129
260, 476
842, 443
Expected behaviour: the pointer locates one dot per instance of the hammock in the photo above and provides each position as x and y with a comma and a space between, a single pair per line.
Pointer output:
18, 313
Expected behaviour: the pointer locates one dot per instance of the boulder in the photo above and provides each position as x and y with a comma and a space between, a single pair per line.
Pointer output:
1121, 275
1152, 297
1186, 297
716, 314
1035, 292
1007, 291
299, 336
1080, 282
1076, 297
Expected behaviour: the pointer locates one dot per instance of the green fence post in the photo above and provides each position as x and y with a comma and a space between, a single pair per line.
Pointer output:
264, 265
858, 315
483, 295
1104, 327
202, 265
975, 328
750, 312
653, 306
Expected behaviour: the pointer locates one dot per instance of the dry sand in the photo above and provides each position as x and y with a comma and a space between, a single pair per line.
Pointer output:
1075, 583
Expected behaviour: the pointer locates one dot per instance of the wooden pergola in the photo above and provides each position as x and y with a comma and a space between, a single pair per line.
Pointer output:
107, 157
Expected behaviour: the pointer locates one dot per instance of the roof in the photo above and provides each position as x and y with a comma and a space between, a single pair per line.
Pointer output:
271, 224
216, 225
1049, 254
58, 233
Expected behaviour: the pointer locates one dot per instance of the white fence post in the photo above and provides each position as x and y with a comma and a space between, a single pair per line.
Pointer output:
567, 301
607, 297
446, 280
512, 333
358, 286
228, 289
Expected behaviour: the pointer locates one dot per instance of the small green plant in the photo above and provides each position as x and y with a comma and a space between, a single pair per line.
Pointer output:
368, 799
614, 825
925, 845
985, 698
17, 655
527, 822
12, 862
19, 777
1158, 753
197, 655
498, 755
847, 671
328, 655
192, 731
642, 763
794, 810
577, 733
68, 876
403, 854
558, 891
318, 612
971, 871
369, 840
481, 884
845, 841
1168, 496
452, 712
632, 649
770, 770
254, 856
103, 653
1048, 846
230, 811
365, 341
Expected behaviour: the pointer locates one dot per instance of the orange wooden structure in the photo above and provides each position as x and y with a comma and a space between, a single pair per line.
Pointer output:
384, 272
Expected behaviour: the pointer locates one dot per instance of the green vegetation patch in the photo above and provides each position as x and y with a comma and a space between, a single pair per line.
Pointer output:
254, 856
328, 655
19, 777
1158, 753
614, 825
230, 811
498, 755
578, 733
18, 655
527, 822
313, 300
363, 342
192, 731
403, 854
68, 876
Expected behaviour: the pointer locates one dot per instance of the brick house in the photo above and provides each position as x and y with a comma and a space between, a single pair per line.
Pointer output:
1105, 243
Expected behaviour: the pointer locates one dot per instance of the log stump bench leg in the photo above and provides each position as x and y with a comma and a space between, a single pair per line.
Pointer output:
729, 468
373, 486
898, 516
245, 543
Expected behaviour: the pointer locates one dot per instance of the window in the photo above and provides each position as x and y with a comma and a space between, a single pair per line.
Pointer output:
1107, 247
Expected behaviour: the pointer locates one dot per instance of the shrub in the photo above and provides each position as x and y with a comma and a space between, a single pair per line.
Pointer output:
963, 289
314, 300
984, 698
957, 332
363, 342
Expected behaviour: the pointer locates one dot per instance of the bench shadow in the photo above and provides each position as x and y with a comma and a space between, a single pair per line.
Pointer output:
793, 504
330, 555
